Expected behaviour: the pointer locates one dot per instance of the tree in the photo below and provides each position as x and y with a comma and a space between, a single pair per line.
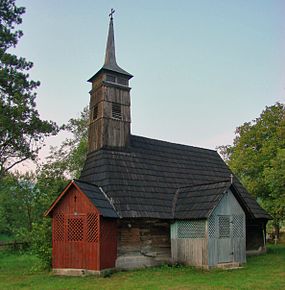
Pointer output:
21, 129
23, 200
18, 203
68, 159
257, 157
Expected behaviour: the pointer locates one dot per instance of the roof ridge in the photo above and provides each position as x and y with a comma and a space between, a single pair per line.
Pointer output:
201, 184
87, 182
172, 143
111, 201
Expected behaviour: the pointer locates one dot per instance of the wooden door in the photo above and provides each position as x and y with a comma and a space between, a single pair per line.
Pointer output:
76, 241
75, 250
225, 240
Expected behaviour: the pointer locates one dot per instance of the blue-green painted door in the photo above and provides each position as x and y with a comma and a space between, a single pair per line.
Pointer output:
225, 243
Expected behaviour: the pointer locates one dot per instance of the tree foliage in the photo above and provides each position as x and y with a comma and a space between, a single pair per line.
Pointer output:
19, 203
24, 198
257, 157
23, 201
68, 159
21, 129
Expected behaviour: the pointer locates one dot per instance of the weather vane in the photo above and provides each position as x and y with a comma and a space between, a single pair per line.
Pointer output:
111, 13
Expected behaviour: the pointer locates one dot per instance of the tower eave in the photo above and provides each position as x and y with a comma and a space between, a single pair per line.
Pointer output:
107, 69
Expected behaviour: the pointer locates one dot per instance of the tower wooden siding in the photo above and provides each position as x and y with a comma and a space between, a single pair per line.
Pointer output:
109, 105
82, 239
105, 130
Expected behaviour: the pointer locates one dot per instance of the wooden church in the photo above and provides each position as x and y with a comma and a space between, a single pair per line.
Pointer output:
142, 202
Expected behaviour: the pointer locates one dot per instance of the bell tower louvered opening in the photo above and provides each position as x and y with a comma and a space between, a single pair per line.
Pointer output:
116, 111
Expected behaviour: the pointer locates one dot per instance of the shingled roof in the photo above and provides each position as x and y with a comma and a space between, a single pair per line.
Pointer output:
145, 178
95, 194
98, 198
197, 201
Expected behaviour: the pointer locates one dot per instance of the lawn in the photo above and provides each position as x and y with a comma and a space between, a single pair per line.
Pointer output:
262, 272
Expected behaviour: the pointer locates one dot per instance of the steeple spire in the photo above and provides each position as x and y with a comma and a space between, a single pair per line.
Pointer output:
110, 55
110, 112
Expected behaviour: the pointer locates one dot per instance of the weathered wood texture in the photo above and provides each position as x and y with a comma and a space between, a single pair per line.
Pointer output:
143, 179
77, 236
190, 251
105, 130
189, 242
219, 240
227, 245
143, 242
108, 133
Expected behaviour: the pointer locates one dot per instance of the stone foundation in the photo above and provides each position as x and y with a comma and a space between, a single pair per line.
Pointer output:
81, 272
136, 262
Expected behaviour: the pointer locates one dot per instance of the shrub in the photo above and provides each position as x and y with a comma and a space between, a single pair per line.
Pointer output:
41, 239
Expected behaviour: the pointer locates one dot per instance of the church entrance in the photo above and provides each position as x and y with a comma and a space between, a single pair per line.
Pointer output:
225, 240
76, 241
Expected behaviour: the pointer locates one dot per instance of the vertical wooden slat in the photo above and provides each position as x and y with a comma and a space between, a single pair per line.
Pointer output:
78, 254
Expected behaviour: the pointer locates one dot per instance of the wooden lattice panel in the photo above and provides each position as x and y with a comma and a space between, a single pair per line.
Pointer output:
191, 229
238, 226
75, 229
59, 227
92, 227
224, 226
212, 227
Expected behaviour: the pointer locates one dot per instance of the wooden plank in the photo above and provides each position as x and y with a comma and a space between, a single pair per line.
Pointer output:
144, 237
189, 251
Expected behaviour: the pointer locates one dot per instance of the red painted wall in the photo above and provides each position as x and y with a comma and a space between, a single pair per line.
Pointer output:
108, 243
81, 238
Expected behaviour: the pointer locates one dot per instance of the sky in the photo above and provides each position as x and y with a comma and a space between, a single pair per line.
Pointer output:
201, 68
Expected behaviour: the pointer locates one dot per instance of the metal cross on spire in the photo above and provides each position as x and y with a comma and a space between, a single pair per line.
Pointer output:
111, 13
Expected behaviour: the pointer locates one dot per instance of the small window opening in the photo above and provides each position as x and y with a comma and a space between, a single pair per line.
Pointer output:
116, 111
122, 81
95, 112
110, 78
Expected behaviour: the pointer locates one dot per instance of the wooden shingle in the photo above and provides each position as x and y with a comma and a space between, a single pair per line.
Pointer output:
143, 178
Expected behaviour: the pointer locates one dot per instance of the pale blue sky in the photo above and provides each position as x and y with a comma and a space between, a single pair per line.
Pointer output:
201, 68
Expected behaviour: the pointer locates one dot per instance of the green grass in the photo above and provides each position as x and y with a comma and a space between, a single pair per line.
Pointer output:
261, 272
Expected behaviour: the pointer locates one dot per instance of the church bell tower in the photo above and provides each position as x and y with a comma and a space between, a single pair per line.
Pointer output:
110, 116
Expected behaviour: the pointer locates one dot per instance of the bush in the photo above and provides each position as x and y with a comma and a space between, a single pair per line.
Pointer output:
41, 241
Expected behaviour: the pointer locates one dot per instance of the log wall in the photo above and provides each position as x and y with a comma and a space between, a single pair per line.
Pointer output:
143, 242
